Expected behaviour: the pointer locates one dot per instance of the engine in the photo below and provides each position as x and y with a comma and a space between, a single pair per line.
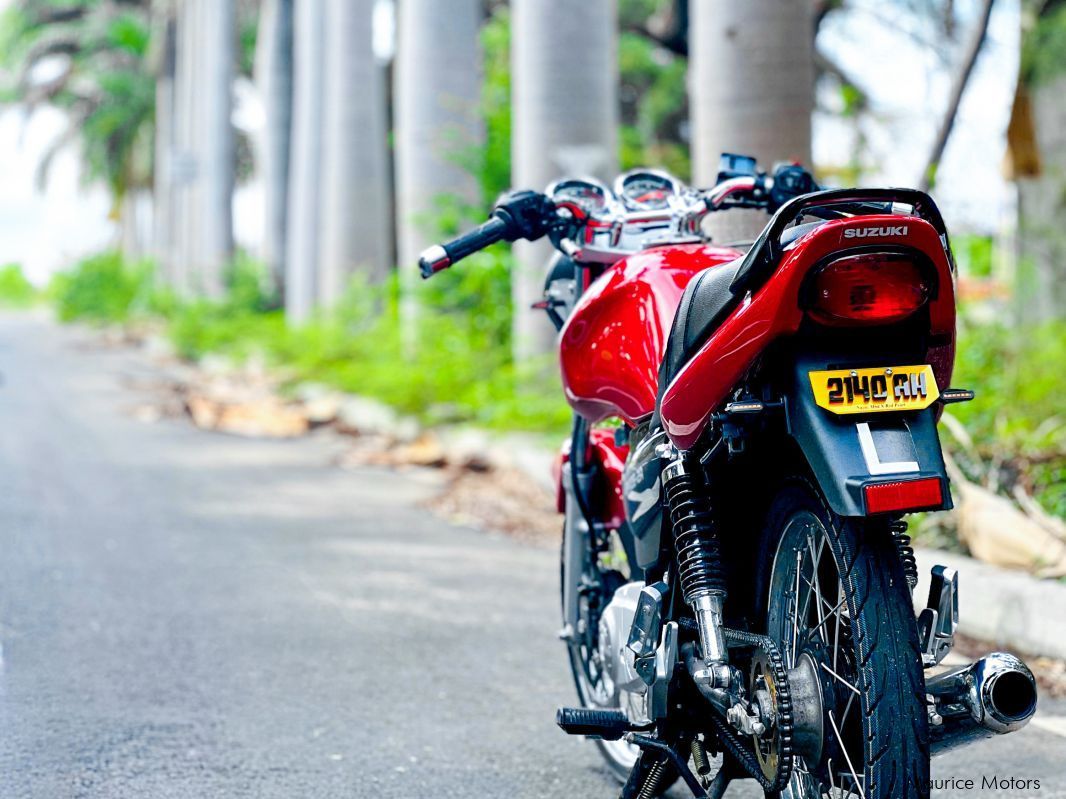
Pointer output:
618, 660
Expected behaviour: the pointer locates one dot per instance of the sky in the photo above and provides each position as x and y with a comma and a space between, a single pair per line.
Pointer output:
47, 230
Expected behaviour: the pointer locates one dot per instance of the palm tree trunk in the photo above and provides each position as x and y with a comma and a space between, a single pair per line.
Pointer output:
134, 223
355, 204
1042, 210
565, 122
183, 162
751, 84
216, 142
301, 284
163, 173
437, 87
273, 72
204, 162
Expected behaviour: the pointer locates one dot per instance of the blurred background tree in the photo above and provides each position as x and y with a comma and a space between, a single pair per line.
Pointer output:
91, 60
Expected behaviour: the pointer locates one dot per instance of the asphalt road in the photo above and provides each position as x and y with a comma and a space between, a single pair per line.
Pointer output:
185, 614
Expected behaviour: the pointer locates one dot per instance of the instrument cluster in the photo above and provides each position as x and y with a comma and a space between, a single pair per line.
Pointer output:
647, 189
637, 190
584, 195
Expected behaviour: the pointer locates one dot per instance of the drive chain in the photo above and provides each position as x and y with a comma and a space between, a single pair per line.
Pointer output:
741, 750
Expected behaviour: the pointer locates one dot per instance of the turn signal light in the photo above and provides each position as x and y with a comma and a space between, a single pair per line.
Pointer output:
904, 495
872, 288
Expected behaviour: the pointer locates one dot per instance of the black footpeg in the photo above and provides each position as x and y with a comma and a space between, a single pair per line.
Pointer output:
610, 725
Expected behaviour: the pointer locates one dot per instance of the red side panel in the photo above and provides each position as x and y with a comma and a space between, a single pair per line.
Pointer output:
611, 459
614, 341
706, 380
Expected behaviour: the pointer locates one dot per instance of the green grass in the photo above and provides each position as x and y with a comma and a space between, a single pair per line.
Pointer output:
1017, 422
102, 289
15, 290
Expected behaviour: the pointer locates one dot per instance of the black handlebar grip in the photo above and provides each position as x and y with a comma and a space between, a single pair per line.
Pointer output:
441, 256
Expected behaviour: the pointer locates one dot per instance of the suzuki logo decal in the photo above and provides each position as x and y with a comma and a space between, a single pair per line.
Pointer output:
645, 500
872, 232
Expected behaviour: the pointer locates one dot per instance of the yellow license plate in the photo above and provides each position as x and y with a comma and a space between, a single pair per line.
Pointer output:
895, 388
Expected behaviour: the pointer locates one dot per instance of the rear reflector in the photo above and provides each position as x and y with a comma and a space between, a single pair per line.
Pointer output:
872, 288
904, 495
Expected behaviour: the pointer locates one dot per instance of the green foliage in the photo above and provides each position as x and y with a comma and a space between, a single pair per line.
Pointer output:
15, 290
102, 289
1017, 423
493, 164
654, 105
116, 134
974, 254
632, 13
853, 98
247, 33
129, 33
1044, 46
105, 84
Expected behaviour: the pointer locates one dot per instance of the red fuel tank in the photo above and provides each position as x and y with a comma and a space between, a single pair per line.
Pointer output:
614, 340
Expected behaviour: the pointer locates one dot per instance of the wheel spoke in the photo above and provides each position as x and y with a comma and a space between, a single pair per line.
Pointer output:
840, 679
817, 588
814, 572
847, 757
831, 611
834, 612
836, 634
847, 707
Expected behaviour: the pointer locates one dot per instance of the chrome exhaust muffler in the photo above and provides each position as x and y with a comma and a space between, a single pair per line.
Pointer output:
992, 696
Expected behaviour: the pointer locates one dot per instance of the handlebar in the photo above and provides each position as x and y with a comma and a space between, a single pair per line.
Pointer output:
518, 215
530, 215
440, 256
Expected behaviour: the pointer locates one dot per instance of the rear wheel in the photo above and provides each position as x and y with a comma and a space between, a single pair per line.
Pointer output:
839, 608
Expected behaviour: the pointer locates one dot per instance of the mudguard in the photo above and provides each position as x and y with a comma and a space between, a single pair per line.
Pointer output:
846, 453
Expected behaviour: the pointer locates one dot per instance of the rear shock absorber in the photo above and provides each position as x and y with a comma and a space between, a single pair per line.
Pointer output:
898, 529
699, 555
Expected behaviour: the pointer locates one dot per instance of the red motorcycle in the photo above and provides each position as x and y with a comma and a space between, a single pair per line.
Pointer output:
751, 425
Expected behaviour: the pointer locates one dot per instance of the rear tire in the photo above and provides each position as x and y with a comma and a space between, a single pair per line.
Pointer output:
852, 615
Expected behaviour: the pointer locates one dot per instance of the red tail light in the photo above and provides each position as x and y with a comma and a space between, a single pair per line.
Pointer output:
873, 288
904, 495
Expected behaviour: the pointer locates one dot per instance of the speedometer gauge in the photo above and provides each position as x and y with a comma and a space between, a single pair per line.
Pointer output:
587, 195
647, 190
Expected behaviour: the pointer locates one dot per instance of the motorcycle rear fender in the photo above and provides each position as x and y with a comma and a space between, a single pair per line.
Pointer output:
846, 453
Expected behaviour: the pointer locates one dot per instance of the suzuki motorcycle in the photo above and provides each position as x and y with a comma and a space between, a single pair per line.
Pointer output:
751, 424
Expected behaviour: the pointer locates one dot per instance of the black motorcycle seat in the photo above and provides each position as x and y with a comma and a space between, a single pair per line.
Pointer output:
706, 302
